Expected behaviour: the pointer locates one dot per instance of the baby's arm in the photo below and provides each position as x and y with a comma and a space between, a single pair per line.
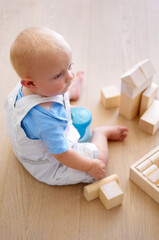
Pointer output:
72, 159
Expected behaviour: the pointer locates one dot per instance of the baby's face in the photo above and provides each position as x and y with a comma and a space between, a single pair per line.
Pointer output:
55, 74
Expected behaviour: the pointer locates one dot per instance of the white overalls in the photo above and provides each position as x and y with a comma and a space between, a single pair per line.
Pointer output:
33, 154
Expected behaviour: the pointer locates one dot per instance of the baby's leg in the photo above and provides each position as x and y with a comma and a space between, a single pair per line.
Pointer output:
101, 135
75, 87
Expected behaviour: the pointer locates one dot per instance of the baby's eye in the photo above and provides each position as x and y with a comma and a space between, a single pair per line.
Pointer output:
70, 66
58, 76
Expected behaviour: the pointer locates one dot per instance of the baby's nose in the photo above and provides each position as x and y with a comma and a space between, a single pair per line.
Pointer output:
70, 76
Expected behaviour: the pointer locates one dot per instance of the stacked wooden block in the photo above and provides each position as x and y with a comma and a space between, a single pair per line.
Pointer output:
138, 93
145, 173
107, 189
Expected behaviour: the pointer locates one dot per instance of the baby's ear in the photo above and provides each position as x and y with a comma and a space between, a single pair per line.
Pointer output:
27, 82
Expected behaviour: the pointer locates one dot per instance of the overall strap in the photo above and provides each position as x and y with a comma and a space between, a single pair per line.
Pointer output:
26, 103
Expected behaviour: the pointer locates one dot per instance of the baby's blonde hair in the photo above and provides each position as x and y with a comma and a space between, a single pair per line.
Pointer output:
30, 45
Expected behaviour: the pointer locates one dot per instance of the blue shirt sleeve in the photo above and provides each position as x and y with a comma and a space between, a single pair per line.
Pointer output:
49, 126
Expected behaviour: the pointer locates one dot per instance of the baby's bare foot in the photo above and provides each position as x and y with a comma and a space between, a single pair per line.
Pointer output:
75, 87
117, 133
114, 133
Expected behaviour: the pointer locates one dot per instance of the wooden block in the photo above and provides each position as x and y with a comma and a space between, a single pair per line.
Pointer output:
111, 195
142, 181
148, 97
146, 68
134, 77
155, 158
110, 97
154, 177
144, 165
150, 170
132, 91
129, 107
91, 191
149, 121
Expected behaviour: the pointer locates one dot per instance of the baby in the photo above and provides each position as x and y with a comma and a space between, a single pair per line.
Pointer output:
38, 113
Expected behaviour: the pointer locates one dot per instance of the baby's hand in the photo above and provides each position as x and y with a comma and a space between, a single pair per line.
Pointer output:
97, 170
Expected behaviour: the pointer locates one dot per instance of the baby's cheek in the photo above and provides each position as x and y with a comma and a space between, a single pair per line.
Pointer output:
61, 86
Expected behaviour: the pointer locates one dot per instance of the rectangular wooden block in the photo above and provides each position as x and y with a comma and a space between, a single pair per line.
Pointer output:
149, 121
142, 181
132, 91
150, 170
110, 97
148, 97
155, 158
146, 68
154, 177
144, 165
129, 107
91, 191
111, 195
134, 77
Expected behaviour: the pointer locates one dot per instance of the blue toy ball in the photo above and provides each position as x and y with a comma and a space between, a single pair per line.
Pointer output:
81, 119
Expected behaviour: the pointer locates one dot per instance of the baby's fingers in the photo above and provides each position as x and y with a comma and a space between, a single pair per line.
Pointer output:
123, 135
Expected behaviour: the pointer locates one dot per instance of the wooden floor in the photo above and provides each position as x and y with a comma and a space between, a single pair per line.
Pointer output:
107, 37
